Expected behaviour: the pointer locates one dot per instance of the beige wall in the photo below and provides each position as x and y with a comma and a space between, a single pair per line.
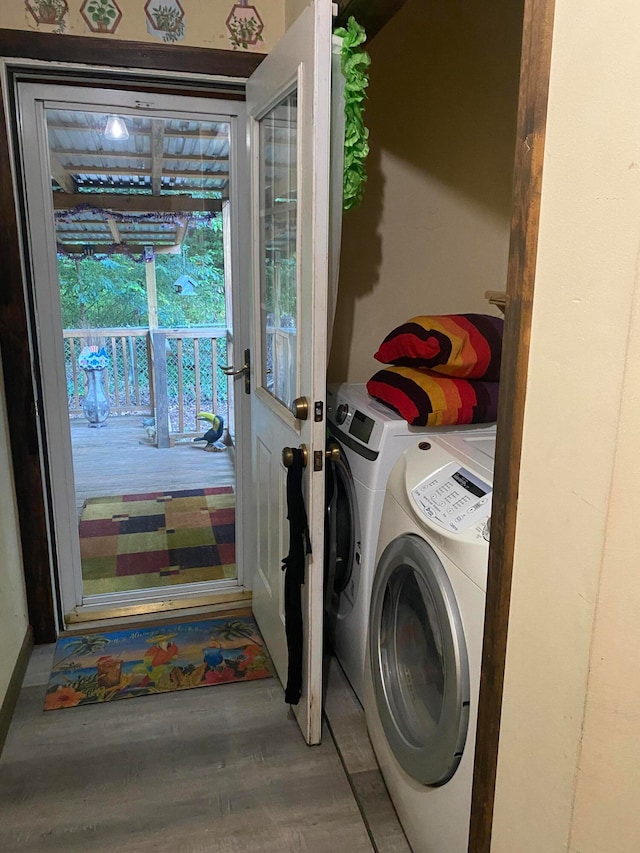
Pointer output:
432, 232
568, 769
292, 9
205, 22
13, 607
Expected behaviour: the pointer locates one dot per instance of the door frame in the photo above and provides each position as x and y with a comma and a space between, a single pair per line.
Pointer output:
68, 58
33, 99
533, 95
21, 387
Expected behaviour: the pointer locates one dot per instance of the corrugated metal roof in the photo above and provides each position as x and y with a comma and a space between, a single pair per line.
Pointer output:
192, 158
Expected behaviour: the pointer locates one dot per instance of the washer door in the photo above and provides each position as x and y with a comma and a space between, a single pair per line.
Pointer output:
418, 659
342, 535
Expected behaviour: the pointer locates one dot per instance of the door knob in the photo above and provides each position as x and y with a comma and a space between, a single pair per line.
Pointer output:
300, 408
332, 453
287, 456
230, 370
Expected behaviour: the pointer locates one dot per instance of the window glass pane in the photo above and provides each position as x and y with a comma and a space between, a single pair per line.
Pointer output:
279, 272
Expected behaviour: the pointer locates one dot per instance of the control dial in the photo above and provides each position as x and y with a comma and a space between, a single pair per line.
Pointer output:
341, 413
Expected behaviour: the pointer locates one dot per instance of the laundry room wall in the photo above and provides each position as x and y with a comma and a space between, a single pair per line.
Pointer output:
432, 233
197, 23
292, 9
13, 603
568, 771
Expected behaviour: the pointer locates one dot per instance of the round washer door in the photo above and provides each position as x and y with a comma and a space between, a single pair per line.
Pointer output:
342, 530
418, 659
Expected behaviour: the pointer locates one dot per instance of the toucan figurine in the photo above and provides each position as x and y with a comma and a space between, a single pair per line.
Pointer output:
214, 433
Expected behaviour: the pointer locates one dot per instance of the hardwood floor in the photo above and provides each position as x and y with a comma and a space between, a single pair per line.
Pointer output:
214, 769
220, 769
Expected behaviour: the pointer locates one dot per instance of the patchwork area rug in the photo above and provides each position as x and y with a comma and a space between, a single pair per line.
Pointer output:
157, 539
100, 667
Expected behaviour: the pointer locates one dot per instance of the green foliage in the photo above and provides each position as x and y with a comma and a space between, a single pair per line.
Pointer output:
105, 292
354, 62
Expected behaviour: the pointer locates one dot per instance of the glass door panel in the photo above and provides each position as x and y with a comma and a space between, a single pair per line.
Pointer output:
278, 246
137, 204
126, 239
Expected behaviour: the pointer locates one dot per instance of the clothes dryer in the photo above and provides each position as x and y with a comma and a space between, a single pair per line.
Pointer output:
369, 438
426, 621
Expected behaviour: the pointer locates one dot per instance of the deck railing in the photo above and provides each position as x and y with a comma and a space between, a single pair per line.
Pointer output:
176, 371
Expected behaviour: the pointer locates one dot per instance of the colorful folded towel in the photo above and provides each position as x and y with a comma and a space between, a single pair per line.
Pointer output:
425, 398
468, 346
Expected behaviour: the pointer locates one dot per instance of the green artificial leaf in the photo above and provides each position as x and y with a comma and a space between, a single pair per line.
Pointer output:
354, 63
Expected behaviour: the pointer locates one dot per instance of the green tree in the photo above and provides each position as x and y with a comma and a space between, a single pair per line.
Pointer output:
103, 292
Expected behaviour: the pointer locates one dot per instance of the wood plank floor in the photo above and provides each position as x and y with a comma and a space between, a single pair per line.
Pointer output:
118, 459
220, 769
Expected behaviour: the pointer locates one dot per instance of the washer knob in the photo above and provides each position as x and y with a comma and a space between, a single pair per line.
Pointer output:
341, 413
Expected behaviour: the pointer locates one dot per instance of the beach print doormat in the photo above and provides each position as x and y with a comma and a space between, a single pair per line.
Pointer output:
107, 665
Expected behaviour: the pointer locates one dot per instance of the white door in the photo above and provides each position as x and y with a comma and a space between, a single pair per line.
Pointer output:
288, 105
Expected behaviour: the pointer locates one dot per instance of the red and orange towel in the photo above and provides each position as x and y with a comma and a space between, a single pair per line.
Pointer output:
441, 370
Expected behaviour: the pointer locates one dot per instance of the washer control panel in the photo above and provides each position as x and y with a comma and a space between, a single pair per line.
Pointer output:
454, 498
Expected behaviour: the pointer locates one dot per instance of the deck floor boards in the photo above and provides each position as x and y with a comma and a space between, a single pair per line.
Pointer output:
118, 459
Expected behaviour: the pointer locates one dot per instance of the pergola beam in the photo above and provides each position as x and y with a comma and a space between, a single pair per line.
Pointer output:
61, 175
73, 248
134, 131
135, 155
120, 171
115, 231
157, 151
137, 203
181, 232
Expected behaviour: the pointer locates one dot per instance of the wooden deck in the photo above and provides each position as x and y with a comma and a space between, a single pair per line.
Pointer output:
119, 459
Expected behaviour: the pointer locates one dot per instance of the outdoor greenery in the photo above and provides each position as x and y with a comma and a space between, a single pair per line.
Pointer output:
111, 291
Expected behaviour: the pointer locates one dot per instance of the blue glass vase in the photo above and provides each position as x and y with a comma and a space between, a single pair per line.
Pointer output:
96, 403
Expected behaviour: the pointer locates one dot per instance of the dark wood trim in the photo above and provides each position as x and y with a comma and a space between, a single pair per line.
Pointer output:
10, 700
115, 53
14, 322
371, 14
21, 410
530, 139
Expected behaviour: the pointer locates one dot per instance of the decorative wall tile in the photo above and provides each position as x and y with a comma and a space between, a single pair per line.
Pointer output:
101, 16
245, 25
52, 13
238, 25
165, 19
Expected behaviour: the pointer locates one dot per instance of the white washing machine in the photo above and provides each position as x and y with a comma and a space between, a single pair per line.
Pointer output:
424, 646
370, 438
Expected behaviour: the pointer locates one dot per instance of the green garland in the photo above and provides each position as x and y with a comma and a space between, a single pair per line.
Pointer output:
354, 62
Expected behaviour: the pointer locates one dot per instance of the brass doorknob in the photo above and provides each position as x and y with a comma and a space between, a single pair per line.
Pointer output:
300, 408
332, 453
287, 456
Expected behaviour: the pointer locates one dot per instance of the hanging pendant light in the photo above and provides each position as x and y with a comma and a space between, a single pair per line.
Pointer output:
116, 129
